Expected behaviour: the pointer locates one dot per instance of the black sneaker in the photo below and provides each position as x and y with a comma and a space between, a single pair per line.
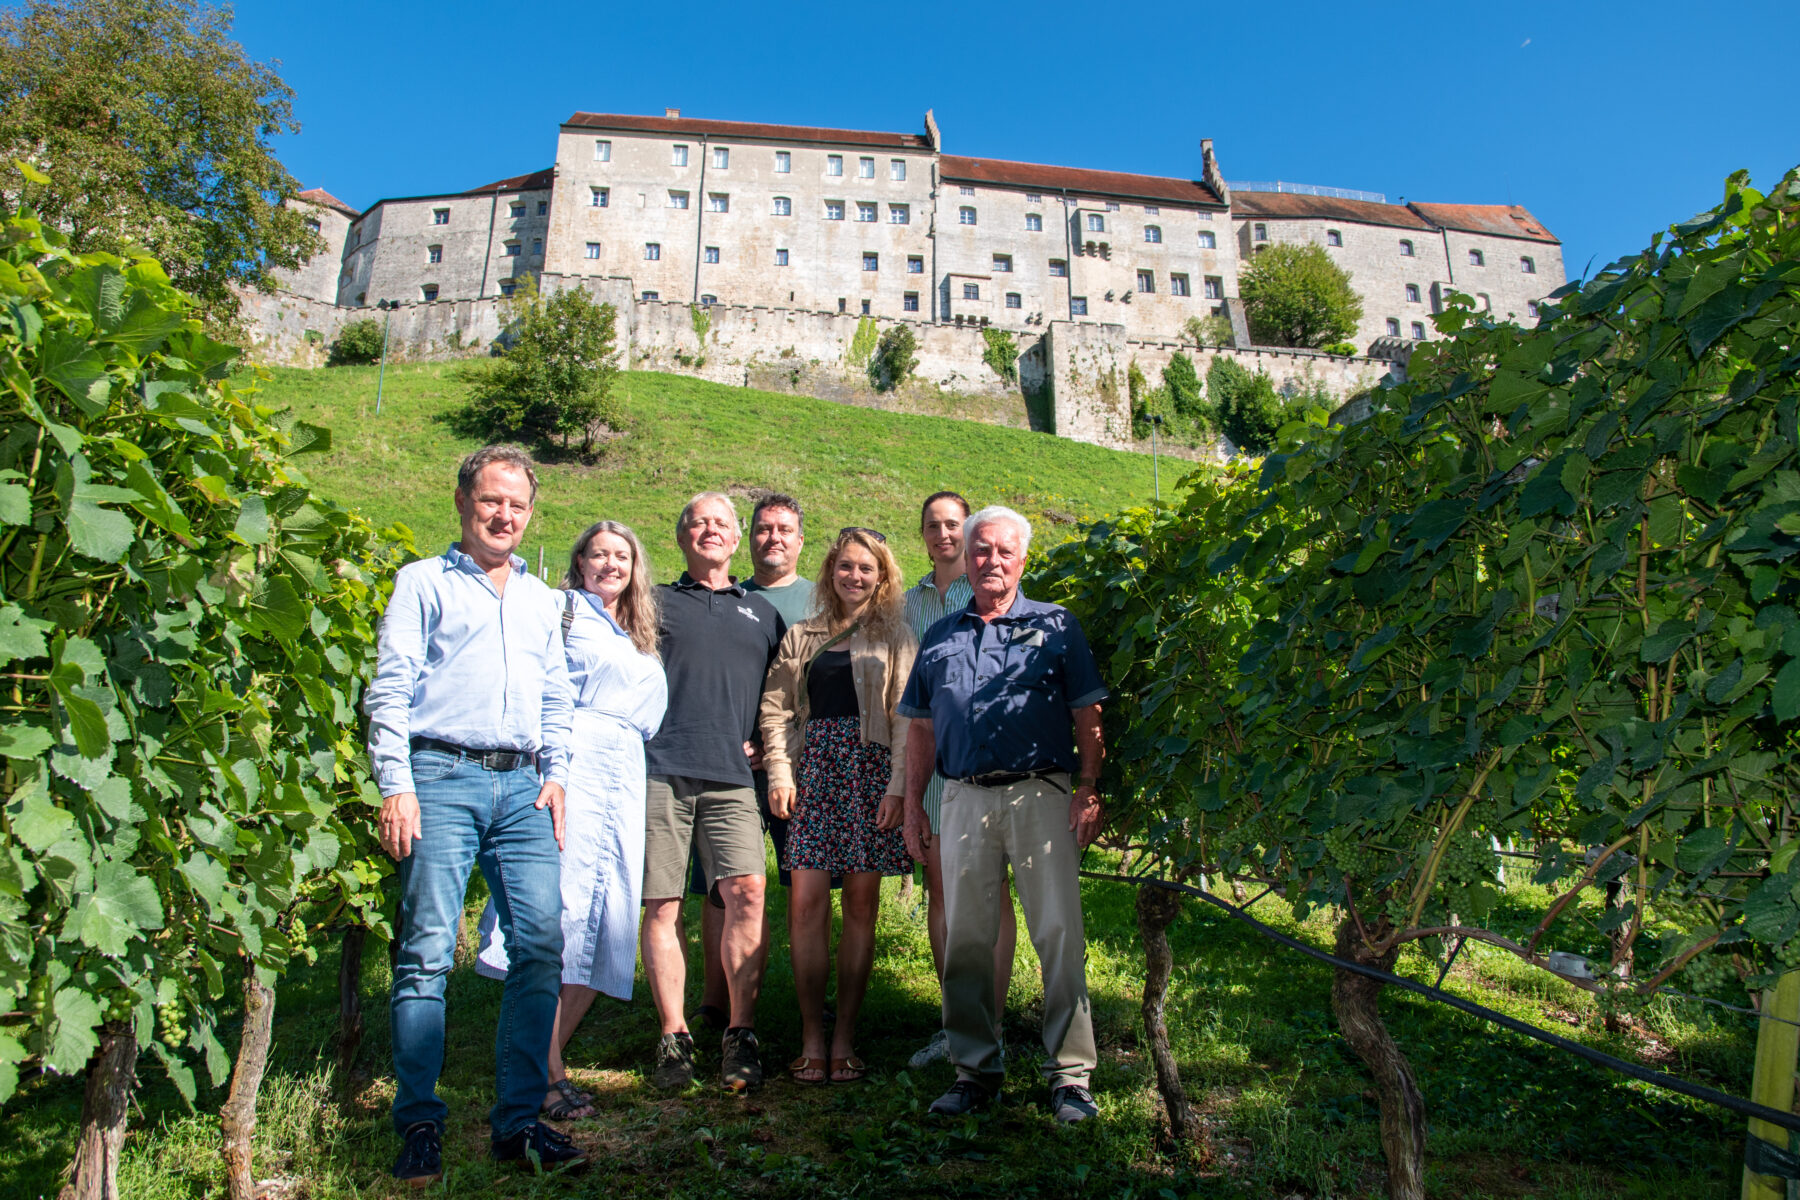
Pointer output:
740, 1064
1071, 1103
541, 1148
964, 1097
421, 1160
674, 1062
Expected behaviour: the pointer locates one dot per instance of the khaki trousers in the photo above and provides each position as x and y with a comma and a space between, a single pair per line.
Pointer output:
1026, 824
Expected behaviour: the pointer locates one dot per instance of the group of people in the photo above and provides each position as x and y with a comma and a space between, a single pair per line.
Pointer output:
602, 749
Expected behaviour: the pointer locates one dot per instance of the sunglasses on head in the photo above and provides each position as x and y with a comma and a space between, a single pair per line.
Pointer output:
874, 533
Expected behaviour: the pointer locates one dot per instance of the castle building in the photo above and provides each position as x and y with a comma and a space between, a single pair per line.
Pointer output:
886, 224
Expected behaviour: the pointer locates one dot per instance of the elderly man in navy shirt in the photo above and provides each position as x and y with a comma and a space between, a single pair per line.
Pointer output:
469, 718
1005, 704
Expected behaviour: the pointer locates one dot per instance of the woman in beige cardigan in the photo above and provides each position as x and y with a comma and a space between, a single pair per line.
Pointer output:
835, 751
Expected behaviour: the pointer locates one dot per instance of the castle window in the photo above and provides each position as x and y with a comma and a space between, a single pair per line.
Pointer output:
597, 197
1096, 223
434, 254
1406, 248
834, 164
1532, 305
1033, 198
865, 168
1259, 233
312, 223
678, 156
1477, 259
678, 199
865, 308
1412, 293
537, 247
834, 210
784, 207
910, 302
865, 212
1214, 287
899, 214
507, 287
1034, 222
1418, 331
1487, 305
1112, 206
1178, 286
971, 291
1146, 281
440, 216
593, 249
543, 208
721, 158
784, 162
652, 251
429, 292
1208, 241
1527, 266
915, 264
646, 297
1002, 264
707, 300
967, 190
711, 254
1393, 326
718, 202
1333, 237
602, 150
1013, 300
512, 250
965, 215
1153, 234
897, 169
1059, 268
842, 304
871, 262
1152, 210
517, 210
781, 258
362, 298
1078, 306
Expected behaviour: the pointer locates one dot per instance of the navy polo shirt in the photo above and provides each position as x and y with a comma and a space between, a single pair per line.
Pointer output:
998, 693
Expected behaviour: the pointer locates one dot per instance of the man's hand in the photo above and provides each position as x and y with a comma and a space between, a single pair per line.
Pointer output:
915, 830
1085, 814
399, 824
551, 796
781, 802
890, 814
753, 752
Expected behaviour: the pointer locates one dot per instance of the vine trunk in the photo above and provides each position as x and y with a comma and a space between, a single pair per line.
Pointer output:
1355, 999
1157, 909
237, 1118
111, 1075
350, 1017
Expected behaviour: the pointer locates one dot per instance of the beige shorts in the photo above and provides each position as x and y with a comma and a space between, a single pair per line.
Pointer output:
719, 821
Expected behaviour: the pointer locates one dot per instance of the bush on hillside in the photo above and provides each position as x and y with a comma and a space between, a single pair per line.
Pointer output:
894, 359
358, 344
554, 383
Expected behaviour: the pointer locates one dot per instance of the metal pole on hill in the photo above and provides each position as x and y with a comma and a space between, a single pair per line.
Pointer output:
388, 307
1155, 471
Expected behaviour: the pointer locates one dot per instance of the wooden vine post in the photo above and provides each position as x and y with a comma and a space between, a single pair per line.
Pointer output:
237, 1118
1777, 1054
1355, 1000
111, 1075
1157, 909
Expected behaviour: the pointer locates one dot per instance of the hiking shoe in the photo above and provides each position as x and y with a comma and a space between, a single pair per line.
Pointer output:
964, 1097
937, 1048
541, 1148
740, 1065
1071, 1103
421, 1160
674, 1062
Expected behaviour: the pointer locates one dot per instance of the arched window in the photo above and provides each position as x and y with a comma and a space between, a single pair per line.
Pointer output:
965, 215
1406, 248
1393, 326
1208, 241
1153, 233
1334, 237
1477, 259
1527, 266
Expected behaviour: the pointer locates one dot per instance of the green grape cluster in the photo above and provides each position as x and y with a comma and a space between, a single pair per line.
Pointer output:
169, 1019
1352, 855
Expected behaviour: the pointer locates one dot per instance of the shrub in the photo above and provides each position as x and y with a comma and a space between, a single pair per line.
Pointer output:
1002, 354
555, 380
1246, 406
862, 342
1182, 383
358, 343
1213, 330
1341, 349
894, 359
1296, 296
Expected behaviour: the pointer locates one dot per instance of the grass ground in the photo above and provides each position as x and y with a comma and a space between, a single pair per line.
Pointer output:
847, 465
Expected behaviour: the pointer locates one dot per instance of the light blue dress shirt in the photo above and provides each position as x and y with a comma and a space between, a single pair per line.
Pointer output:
462, 663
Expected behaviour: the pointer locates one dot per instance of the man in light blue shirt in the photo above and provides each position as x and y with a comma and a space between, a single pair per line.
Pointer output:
469, 717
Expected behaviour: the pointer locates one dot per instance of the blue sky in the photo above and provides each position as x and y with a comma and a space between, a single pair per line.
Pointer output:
1607, 120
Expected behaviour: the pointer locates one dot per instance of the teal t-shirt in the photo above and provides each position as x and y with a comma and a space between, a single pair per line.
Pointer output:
792, 600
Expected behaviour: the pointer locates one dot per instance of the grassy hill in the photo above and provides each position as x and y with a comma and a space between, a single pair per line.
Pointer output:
846, 465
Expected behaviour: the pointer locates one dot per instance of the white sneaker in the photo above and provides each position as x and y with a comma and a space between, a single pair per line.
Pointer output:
937, 1048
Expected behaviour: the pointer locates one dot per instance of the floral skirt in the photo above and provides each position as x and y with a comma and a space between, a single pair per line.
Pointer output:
842, 780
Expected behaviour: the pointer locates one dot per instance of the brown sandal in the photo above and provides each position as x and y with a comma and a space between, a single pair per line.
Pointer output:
849, 1070
803, 1064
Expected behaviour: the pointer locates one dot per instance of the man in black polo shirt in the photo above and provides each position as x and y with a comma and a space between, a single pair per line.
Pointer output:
717, 641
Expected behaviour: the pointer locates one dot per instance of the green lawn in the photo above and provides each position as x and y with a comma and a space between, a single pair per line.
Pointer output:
846, 465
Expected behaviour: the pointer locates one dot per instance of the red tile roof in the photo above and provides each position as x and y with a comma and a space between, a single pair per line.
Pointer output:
1077, 179
528, 182
325, 199
1497, 220
746, 130
1327, 208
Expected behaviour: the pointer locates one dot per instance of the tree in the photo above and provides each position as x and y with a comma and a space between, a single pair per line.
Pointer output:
144, 124
357, 343
895, 358
1296, 296
556, 378
1246, 405
1182, 383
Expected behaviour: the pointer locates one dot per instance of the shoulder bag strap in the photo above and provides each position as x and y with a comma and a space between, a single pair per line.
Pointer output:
568, 617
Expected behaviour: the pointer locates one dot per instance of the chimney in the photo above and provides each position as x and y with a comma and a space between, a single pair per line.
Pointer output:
1210, 173
671, 113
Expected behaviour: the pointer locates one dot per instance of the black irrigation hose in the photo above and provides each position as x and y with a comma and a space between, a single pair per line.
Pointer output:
1748, 1108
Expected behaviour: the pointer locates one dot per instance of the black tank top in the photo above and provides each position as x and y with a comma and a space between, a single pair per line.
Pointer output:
830, 690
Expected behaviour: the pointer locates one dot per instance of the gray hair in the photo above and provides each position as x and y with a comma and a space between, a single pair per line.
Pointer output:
687, 510
469, 473
997, 512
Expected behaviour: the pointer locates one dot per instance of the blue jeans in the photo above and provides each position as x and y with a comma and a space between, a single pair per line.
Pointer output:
470, 815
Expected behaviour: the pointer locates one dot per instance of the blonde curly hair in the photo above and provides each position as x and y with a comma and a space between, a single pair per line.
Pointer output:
884, 613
